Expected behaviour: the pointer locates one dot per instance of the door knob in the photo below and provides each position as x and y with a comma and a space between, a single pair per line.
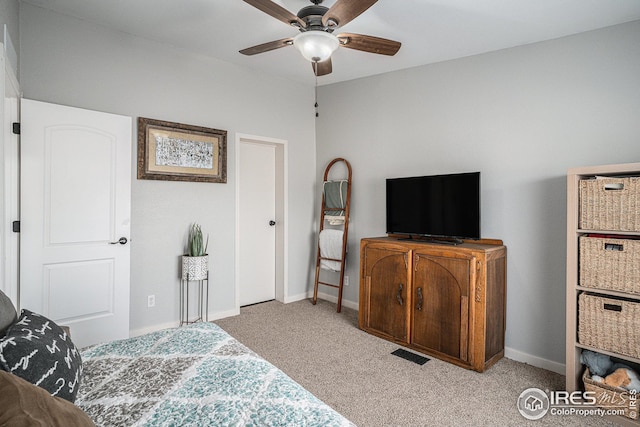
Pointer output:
272, 223
122, 241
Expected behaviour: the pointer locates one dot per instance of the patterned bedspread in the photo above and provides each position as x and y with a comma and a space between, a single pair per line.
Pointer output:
197, 375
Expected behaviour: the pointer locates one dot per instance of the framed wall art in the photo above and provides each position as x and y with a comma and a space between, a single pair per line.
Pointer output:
178, 152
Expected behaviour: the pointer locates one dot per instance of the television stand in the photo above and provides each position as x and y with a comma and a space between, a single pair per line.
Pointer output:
443, 301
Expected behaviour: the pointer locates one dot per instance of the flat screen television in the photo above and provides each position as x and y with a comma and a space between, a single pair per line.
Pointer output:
437, 206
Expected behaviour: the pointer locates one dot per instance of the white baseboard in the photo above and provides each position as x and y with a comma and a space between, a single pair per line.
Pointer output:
334, 299
538, 362
299, 297
509, 353
323, 296
223, 314
154, 328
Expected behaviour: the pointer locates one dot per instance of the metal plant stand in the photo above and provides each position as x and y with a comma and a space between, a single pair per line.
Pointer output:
203, 300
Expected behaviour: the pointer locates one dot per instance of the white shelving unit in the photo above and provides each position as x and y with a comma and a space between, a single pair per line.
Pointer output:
574, 369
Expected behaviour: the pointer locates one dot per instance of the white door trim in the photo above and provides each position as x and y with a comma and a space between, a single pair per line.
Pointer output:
282, 209
9, 179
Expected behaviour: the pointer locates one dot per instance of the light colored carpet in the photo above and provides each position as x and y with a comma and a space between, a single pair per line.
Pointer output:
355, 373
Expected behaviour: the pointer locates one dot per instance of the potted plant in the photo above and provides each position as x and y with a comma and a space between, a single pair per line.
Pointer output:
195, 263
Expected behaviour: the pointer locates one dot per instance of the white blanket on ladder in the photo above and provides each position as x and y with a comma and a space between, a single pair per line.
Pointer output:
330, 241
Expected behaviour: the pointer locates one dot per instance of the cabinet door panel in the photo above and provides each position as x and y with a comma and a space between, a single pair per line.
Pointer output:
441, 308
386, 278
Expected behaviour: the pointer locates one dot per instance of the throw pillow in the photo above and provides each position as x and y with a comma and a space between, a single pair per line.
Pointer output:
23, 404
39, 351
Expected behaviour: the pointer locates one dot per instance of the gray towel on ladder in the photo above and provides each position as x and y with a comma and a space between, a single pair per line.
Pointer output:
335, 196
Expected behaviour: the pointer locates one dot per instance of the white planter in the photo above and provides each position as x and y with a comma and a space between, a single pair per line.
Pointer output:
195, 267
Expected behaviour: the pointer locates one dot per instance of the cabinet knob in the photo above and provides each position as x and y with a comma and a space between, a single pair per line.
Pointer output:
419, 306
399, 295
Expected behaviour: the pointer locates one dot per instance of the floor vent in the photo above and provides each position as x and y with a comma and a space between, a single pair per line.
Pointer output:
411, 357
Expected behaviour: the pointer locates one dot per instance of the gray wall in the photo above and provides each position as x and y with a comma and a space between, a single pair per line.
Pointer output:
72, 62
522, 117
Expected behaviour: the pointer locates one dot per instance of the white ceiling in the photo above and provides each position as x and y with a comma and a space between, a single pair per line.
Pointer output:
430, 30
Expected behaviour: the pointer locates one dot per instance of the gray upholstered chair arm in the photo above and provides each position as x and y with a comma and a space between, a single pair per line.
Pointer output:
8, 315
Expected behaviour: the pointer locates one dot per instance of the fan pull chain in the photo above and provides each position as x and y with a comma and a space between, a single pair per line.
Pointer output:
315, 72
316, 104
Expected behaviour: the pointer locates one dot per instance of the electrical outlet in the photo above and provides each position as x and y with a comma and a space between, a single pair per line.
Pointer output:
346, 280
151, 301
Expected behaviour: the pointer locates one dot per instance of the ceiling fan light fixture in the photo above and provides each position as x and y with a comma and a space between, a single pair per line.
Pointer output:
316, 46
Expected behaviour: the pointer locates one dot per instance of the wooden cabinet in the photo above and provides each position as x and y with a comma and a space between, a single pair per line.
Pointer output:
578, 230
444, 301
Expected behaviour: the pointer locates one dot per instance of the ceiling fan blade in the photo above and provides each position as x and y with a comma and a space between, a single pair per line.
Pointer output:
369, 44
277, 11
344, 11
266, 47
322, 68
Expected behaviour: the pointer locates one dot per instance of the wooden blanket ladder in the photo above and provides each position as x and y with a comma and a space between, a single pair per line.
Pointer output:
334, 223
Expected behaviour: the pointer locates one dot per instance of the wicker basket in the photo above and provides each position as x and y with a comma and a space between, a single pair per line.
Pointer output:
610, 204
610, 397
609, 324
612, 264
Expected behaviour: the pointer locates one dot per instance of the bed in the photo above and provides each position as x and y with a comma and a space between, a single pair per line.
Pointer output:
197, 375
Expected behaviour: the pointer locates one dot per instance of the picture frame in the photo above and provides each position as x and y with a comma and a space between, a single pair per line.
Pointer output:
178, 152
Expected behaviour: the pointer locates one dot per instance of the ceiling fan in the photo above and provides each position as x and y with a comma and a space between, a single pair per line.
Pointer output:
316, 23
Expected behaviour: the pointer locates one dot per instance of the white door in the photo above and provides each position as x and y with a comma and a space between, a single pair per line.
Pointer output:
75, 207
257, 195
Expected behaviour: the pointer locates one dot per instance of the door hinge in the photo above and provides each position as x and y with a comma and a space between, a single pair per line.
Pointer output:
15, 226
16, 128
